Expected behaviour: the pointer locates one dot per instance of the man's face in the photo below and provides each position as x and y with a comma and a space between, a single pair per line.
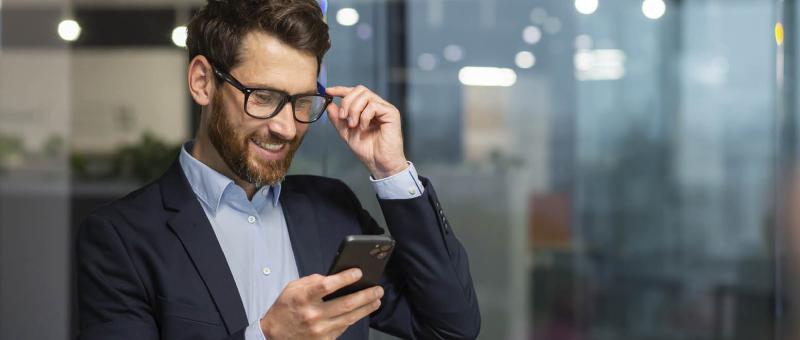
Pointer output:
256, 150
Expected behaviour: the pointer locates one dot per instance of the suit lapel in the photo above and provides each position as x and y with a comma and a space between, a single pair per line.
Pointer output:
191, 226
303, 230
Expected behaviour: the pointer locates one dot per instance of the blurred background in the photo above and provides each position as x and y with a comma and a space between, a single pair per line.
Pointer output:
616, 169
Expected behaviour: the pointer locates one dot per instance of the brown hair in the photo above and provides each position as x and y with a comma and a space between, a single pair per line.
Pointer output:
217, 30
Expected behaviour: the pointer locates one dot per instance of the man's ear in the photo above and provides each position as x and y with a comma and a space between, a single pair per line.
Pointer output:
201, 80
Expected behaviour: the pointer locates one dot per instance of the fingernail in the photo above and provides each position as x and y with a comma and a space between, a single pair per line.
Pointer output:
350, 121
356, 274
377, 303
378, 291
343, 114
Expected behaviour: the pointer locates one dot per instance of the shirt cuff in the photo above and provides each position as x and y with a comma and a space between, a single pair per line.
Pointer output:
402, 185
254, 332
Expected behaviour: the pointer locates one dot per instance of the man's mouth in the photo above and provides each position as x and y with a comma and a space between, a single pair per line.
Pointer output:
269, 146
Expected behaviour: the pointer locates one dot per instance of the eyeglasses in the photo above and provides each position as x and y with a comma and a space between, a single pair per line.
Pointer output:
263, 103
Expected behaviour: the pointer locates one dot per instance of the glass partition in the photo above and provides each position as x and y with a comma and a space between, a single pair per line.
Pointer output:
615, 169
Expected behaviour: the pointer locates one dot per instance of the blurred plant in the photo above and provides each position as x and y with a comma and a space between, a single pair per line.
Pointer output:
12, 151
79, 164
54, 147
144, 161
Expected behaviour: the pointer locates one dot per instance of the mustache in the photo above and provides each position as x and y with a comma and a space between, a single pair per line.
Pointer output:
272, 140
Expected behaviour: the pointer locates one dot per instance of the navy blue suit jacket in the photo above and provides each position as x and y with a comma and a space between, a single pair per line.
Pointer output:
150, 266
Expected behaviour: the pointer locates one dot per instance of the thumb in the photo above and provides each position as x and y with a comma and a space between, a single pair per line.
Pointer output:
338, 123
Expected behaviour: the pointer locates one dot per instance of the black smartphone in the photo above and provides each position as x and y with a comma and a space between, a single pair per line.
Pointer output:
370, 253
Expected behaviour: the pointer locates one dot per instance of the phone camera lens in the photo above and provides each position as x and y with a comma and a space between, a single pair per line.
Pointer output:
386, 247
381, 256
374, 252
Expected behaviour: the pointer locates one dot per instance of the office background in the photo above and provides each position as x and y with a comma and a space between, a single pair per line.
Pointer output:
616, 169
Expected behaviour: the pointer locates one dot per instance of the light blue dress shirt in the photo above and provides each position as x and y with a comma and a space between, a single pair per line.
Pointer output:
253, 234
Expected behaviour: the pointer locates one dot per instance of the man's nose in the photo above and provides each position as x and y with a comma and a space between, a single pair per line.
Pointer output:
283, 124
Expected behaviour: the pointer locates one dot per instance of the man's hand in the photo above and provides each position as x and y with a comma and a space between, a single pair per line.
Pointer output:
300, 313
371, 128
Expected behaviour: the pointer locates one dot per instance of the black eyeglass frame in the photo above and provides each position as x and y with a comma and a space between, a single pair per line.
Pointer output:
285, 97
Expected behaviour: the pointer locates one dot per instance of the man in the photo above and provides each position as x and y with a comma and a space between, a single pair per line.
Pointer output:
224, 247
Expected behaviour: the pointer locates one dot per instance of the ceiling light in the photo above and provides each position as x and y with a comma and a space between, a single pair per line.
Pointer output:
426, 61
586, 6
487, 76
531, 35
347, 16
525, 59
179, 36
654, 9
69, 30
453, 53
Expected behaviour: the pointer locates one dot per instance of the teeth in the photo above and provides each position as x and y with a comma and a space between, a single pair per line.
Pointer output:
268, 146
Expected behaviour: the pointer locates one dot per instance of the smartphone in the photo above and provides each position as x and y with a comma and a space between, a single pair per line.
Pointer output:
370, 253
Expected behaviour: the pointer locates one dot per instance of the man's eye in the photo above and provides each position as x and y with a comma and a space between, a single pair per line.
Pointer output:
303, 103
265, 98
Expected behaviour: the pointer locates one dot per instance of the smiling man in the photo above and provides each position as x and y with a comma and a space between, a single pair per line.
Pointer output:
226, 246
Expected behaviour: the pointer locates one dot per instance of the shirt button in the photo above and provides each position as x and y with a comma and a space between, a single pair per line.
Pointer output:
412, 191
266, 271
251, 219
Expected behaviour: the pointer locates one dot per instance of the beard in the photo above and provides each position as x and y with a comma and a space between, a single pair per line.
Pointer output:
233, 148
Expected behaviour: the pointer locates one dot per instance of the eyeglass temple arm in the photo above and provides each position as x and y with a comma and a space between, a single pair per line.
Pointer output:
229, 79
321, 89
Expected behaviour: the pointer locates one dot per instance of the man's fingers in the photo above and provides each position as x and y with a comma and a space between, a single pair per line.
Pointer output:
337, 325
359, 313
333, 116
353, 301
347, 101
356, 109
338, 91
332, 283
369, 112
373, 110
333, 109
359, 107
338, 123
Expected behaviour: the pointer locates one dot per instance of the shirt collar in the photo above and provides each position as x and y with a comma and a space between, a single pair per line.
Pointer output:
208, 184
276, 193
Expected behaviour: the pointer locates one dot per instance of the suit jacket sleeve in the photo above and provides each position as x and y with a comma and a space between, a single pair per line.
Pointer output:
112, 298
428, 287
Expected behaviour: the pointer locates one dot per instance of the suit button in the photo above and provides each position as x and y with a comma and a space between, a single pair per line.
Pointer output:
266, 271
251, 219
